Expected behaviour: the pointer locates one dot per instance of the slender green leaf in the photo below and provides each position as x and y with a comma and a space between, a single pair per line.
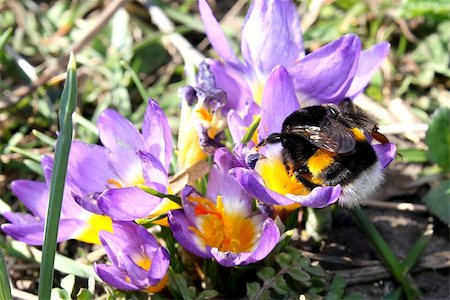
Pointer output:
68, 103
385, 252
5, 37
25, 152
438, 138
5, 290
416, 250
44, 138
136, 81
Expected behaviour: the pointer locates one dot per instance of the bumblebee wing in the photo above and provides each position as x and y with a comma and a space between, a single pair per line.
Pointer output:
334, 136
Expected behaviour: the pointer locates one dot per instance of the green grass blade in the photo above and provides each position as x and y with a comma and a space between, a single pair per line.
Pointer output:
5, 37
5, 290
385, 252
68, 102
44, 138
136, 81
251, 130
417, 249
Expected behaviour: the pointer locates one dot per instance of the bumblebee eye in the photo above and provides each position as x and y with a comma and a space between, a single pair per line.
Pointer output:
251, 160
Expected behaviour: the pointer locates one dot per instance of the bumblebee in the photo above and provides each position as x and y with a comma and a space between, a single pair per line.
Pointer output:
327, 145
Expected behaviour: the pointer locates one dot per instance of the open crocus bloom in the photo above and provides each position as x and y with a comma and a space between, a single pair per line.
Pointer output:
139, 262
271, 36
222, 225
75, 223
269, 181
128, 158
202, 122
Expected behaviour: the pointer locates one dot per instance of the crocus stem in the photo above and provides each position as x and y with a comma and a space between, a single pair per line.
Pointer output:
385, 252
63, 143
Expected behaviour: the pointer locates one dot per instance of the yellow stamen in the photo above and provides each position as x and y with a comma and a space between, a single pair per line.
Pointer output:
223, 230
276, 178
114, 182
95, 224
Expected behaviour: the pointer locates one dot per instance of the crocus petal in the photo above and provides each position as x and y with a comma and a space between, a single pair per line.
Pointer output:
186, 237
216, 36
136, 274
385, 153
33, 194
157, 134
123, 140
252, 183
279, 101
232, 82
225, 160
325, 75
369, 61
126, 235
19, 218
238, 127
159, 267
118, 133
33, 233
89, 167
127, 204
152, 169
114, 277
229, 259
88, 202
270, 237
271, 35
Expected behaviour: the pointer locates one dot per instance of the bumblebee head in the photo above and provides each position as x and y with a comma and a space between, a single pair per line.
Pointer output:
251, 159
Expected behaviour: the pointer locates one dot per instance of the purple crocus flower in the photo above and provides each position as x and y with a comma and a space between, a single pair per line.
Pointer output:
139, 262
270, 182
222, 225
201, 119
271, 36
130, 158
75, 223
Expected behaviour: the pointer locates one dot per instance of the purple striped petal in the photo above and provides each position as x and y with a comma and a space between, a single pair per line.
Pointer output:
159, 267
270, 237
152, 169
137, 275
117, 133
279, 101
33, 233
20, 218
88, 167
233, 83
127, 204
271, 35
369, 62
385, 153
157, 133
216, 36
33, 194
325, 75
185, 237
115, 277
253, 184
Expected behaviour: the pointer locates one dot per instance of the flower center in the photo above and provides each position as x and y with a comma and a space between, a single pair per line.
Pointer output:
95, 223
223, 230
277, 178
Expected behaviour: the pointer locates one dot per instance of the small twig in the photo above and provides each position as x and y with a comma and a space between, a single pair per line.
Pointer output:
395, 205
438, 260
